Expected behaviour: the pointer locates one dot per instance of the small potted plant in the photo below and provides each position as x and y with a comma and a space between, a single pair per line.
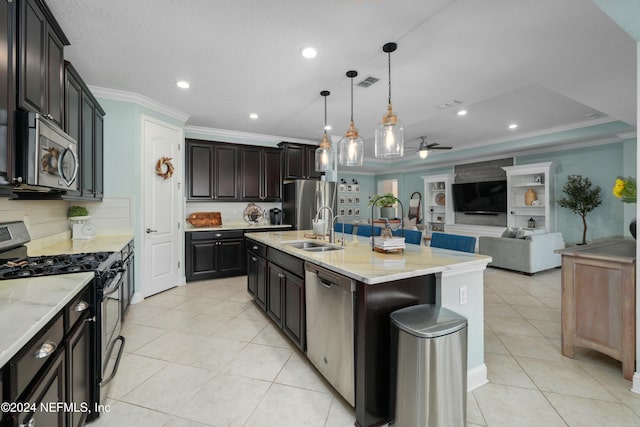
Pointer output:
386, 203
77, 213
581, 198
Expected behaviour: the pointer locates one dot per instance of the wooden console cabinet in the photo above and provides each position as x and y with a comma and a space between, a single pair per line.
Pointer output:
598, 300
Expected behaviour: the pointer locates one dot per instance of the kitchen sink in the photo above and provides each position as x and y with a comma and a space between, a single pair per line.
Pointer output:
311, 246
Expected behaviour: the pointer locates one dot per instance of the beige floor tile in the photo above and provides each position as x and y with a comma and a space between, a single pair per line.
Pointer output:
492, 297
582, 412
503, 405
527, 300
168, 319
258, 361
341, 414
203, 324
504, 369
500, 310
503, 289
273, 336
166, 300
551, 302
550, 329
142, 312
515, 326
254, 313
528, 346
238, 329
538, 313
492, 343
183, 422
564, 377
206, 352
138, 335
123, 414
299, 372
169, 389
286, 406
133, 371
229, 308
474, 415
226, 400
198, 304
240, 296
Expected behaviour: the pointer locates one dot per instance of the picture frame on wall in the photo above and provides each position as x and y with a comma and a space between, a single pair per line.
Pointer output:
356, 212
350, 212
342, 212
349, 200
356, 200
341, 200
342, 188
356, 188
349, 188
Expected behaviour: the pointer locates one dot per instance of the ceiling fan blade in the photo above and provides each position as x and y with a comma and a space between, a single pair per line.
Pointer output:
440, 148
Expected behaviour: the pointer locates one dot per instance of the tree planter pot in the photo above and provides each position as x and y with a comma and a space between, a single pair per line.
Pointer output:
388, 212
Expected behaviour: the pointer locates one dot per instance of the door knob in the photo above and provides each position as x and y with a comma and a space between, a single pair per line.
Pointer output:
151, 231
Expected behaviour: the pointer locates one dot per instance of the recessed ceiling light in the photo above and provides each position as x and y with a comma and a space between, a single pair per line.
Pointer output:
309, 52
253, 116
183, 84
327, 127
462, 112
513, 126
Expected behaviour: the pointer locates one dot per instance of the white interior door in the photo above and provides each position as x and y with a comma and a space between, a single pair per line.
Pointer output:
162, 207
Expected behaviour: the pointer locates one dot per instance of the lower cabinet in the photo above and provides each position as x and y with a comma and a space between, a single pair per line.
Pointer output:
276, 282
214, 254
52, 373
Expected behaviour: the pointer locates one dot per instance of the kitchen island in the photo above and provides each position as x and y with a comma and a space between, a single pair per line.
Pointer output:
384, 283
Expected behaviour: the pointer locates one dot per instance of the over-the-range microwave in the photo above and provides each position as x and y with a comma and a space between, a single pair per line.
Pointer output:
46, 157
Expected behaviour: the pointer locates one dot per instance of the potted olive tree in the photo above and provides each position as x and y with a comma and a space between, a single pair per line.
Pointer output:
386, 203
581, 198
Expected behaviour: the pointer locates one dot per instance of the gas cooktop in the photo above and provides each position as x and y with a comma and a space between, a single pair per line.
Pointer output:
49, 265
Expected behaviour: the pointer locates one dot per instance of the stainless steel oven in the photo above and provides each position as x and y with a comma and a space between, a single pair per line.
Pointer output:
46, 156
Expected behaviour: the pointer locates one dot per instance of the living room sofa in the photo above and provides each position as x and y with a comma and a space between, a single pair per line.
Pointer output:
528, 254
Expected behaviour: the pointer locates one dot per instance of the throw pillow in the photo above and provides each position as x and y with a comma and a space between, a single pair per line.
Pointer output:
521, 234
509, 232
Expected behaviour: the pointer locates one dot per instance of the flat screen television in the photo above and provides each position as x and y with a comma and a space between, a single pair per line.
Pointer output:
488, 197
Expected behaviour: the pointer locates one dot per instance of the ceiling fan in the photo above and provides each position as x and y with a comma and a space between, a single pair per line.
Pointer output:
424, 147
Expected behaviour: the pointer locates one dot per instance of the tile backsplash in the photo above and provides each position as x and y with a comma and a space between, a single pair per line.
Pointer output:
231, 212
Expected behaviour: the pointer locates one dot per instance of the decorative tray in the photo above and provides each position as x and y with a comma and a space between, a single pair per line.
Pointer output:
205, 219
253, 213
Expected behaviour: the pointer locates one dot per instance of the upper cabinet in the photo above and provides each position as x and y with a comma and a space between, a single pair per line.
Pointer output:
84, 121
213, 171
40, 61
7, 100
531, 196
218, 171
299, 161
261, 174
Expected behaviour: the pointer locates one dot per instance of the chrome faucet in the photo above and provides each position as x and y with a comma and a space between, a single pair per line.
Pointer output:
330, 221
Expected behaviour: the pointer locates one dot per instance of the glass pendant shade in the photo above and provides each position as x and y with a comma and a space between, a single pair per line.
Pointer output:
389, 137
351, 148
423, 154
390, 132
323, 153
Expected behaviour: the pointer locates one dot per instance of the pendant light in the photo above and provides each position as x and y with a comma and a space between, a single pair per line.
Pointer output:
323, 152
390, 132
351, 146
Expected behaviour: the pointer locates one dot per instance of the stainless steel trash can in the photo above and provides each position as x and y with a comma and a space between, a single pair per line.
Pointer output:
428, 367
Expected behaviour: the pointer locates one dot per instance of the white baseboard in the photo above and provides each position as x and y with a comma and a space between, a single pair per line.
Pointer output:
136, 298
477, 377
635, 385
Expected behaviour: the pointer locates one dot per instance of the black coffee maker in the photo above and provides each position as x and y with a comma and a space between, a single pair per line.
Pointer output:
275, 216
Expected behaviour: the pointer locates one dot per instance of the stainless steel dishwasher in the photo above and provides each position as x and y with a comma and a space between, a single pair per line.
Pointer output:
330, 345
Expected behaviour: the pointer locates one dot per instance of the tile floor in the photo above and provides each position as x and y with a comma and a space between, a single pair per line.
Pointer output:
204, 355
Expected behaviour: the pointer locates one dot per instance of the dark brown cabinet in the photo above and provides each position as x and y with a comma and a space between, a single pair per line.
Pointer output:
84, 121
213, 171
79, 372
7, 99
261, 174
40, 61
299, 161
284, 297
213, 254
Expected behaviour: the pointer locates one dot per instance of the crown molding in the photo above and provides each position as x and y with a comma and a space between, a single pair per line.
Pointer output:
136, 98
628, 135
249, 137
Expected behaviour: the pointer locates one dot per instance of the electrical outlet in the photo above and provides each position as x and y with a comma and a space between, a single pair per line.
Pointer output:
463, 295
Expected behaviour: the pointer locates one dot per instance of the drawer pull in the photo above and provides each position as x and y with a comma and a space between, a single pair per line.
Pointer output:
47, 348
31, 423
218, 235
254, 259
90, 319
255, 248
81, 306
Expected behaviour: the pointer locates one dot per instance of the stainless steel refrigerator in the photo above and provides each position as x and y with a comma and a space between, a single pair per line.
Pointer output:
303, 198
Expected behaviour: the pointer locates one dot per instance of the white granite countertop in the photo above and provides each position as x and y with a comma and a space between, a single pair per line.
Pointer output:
359, 262
26, 305
68, 246
237, 226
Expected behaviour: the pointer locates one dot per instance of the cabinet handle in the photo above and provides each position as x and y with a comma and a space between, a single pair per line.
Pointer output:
218, 235
32, 421
81, 306
281, 275
254, 259
90, 319
255, 248
47, 348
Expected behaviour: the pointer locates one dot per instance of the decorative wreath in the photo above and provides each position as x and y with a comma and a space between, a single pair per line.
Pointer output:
160, 171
